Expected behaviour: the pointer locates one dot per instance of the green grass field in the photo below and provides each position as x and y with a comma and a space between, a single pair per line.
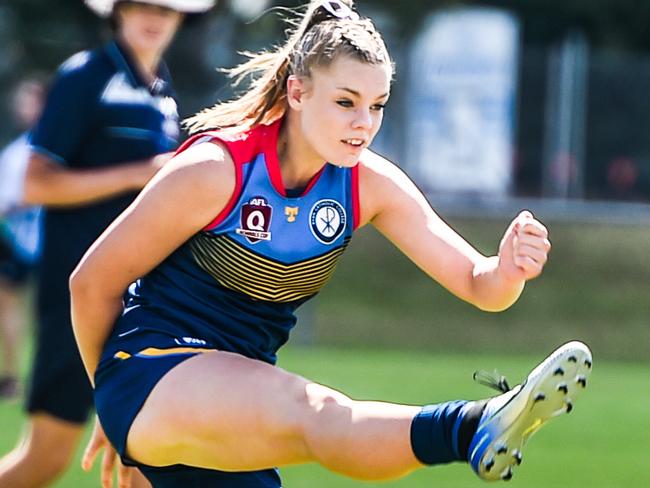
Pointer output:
601, 444
595, 287
379, 307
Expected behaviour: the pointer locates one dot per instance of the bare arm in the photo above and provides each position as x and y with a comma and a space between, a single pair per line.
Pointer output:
49, 183
395, 206
180, 200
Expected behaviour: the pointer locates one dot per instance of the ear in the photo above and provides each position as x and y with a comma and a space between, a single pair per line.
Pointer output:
295, 92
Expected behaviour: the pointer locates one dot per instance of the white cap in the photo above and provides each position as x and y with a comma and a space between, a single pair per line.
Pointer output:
104, 8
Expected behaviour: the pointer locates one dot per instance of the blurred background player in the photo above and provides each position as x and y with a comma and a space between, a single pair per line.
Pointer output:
19, 233
109, 123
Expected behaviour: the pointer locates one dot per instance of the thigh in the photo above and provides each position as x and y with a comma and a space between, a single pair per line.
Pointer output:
10, 298
223, 411
52, 440
124, 381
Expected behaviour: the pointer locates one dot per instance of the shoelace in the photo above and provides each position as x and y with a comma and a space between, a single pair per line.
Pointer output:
493, 380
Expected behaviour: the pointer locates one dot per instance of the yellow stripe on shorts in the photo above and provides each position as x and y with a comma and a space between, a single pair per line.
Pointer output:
152, 352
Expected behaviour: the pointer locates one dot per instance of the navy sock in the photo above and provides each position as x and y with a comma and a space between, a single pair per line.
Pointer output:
468, 426
442, 433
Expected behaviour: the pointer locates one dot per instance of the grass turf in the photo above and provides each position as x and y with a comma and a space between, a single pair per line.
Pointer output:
602, 444
595, 287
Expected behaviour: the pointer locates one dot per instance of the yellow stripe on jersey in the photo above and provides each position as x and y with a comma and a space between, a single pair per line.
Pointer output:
240, 269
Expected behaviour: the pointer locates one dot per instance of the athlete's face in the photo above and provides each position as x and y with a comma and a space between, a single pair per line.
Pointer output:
147, 28
341, 107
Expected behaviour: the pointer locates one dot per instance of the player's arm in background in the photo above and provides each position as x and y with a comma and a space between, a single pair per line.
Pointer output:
396, 207
183, 197
68, 119
50, 183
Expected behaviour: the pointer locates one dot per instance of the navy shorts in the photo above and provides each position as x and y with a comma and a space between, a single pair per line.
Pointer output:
130, 368
13, 269
188, 477
59, 384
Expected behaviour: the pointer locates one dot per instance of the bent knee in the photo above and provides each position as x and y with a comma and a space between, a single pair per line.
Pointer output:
300, 406
45, 466
56, 466
323, 405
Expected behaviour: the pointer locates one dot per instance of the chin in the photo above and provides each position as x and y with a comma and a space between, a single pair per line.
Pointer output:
347, 161
340, 157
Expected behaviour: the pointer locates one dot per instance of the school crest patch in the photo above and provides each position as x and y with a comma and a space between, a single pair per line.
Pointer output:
327, 220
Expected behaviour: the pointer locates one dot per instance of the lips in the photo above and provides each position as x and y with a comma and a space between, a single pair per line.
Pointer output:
356, 143
152, 32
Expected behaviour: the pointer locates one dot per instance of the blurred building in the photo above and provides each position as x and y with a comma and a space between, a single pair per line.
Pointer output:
462, 73
493, 100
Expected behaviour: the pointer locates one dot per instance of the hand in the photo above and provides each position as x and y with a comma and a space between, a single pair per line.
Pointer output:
524, 248
97, 442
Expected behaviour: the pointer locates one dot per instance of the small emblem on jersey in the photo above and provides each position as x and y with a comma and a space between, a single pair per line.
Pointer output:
192, 341
256, 220
291, 213
327, 220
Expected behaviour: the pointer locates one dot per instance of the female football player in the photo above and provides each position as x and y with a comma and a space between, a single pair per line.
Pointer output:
181, 305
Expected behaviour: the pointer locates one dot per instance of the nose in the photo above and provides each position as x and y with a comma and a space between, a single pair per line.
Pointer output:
363, 119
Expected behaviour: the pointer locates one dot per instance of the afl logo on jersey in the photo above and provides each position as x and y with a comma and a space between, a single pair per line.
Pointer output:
327, 220
256, 220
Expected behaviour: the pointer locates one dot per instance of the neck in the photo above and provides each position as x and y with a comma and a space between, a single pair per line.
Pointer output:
298, 161
146, 61
147, 64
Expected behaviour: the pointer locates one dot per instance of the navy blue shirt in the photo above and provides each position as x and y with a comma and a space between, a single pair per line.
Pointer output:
99, 113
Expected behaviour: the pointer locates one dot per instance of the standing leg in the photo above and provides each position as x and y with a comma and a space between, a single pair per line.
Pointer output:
43, 455
11, 323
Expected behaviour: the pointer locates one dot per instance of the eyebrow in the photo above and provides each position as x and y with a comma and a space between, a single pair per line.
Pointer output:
356, 93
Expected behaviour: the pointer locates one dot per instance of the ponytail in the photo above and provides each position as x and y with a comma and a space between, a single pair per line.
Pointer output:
331, 24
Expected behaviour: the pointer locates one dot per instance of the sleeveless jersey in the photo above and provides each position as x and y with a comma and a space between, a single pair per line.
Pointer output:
235, 285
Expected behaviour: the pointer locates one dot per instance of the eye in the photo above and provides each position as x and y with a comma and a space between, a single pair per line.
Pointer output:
345, 103
378, 107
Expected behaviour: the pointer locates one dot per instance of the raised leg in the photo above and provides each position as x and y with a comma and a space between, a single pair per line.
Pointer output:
227, 412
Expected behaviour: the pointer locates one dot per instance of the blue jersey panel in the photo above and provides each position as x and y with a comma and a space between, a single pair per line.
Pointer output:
289, 230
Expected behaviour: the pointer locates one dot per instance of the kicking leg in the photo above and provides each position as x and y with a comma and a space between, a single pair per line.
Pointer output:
223, 411
227, 412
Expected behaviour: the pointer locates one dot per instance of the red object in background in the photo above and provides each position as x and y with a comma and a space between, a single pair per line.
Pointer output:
622, 175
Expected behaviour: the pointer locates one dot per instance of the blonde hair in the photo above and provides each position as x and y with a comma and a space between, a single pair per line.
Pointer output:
316, 39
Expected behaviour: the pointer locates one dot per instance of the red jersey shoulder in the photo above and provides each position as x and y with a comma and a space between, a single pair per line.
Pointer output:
242, 146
